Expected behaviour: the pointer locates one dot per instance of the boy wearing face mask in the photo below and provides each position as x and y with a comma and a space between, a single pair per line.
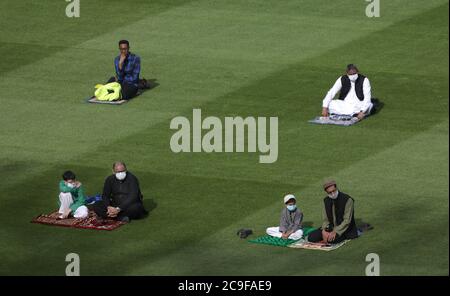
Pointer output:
355, 97
338, 217
290, 221
71, 197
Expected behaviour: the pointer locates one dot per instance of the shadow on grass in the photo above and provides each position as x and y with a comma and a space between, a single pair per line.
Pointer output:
377, 106
150, 204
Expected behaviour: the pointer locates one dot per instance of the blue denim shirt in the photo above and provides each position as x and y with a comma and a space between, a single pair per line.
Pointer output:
130, 69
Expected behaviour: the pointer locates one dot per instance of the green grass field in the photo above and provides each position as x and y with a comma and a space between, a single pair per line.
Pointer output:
229, 58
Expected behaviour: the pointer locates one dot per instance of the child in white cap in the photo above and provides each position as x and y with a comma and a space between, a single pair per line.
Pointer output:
290, 221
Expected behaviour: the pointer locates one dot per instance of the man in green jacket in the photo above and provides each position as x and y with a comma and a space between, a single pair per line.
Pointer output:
338, 217
71, 197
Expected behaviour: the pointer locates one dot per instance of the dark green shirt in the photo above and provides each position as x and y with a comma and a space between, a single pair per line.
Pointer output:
341, 228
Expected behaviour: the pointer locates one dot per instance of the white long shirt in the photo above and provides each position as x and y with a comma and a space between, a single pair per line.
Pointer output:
351, 98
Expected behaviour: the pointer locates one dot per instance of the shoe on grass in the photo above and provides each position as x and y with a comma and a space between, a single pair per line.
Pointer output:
125, 219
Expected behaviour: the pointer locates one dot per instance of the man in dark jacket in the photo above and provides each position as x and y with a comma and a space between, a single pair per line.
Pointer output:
338, 217
122, 197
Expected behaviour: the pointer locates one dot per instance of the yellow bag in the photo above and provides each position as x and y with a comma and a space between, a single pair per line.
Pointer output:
108, 92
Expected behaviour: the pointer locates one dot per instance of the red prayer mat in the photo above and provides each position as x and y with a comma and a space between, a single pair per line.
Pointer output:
91, 222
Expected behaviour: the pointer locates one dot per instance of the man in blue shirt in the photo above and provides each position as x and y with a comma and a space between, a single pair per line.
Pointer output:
127, 66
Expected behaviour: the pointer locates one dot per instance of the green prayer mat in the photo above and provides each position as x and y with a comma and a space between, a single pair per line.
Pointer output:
276, 241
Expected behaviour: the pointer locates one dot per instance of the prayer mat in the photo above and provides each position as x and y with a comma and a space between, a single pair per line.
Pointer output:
302, 244
90, 222
276, 241
95, 101
271, 240
336, 120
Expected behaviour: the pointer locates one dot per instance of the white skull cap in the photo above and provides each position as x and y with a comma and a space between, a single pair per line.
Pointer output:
288, 197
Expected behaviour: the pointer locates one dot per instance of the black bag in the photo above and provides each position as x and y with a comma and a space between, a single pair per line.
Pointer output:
244, 233
143, 84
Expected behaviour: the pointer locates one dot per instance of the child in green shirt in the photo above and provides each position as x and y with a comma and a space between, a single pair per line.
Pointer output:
71, 197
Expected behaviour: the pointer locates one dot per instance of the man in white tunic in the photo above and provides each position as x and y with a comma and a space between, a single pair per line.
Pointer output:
354, 95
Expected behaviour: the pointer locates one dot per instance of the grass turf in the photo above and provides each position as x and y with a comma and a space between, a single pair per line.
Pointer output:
229, 58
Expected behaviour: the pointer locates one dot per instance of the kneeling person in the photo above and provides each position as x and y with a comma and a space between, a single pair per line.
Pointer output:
71, 197
122, 197
290, 221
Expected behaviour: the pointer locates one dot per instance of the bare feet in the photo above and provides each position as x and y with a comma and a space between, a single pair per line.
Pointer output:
361, 115
65, 214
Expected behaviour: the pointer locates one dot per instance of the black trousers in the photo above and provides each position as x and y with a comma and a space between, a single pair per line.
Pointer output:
129, 90
133, 211
316, 236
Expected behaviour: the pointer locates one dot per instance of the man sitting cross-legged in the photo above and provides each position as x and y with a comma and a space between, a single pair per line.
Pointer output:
338, 217
122, 197
128, 67
355, 97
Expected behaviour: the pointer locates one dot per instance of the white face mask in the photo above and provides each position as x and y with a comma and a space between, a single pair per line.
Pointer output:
291, 208
70, 185
121, 175
353, 77
333, 195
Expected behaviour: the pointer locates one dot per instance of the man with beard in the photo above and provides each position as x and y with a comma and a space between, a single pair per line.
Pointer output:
338, 217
